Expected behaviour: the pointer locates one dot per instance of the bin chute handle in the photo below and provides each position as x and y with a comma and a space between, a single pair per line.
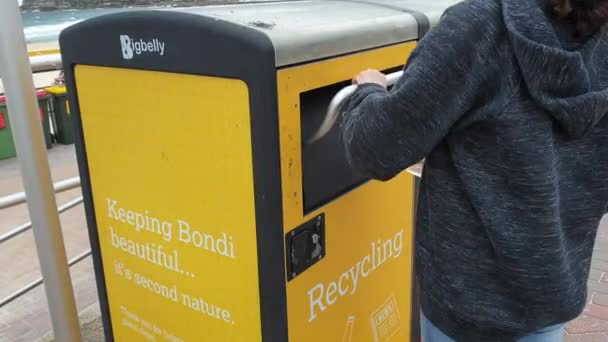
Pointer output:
336, 103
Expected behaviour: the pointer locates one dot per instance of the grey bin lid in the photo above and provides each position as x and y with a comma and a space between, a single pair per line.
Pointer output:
303, 31
432, 9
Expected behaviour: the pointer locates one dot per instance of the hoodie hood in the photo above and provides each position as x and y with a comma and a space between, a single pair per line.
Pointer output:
561, 74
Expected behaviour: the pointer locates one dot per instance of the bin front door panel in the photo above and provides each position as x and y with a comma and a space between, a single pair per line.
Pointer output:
360, 288
170, 166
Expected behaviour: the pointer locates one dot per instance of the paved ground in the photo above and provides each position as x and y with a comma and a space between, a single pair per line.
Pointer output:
26, 319
592, 326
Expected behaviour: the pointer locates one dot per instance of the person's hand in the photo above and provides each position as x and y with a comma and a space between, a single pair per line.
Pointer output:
371, 76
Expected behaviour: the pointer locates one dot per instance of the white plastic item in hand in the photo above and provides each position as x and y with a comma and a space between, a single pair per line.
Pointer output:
334, 106
416, 170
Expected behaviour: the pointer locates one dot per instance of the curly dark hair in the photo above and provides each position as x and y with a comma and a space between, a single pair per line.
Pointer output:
585, 16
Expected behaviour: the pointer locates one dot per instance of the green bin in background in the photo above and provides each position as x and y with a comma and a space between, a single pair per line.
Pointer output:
64, 130
7, 145
44, 106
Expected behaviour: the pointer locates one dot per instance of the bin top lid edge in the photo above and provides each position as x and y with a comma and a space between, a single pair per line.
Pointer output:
314, 29
299, 30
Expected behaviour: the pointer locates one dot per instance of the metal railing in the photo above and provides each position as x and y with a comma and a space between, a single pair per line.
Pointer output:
27, 288
16, 69
20, 197
16, 199
27, 226
42, 63
45, 62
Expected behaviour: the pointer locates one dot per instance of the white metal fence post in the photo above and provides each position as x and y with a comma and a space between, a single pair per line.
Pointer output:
19, 87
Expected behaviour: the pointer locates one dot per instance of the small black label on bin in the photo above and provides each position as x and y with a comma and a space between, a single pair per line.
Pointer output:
305, 246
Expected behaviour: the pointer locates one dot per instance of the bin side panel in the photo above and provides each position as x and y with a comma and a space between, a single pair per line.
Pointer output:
171, 174
361, 289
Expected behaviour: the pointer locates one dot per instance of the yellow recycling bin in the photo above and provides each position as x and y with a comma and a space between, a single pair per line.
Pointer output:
212, 215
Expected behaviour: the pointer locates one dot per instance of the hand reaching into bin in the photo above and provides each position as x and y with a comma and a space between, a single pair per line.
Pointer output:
371, 76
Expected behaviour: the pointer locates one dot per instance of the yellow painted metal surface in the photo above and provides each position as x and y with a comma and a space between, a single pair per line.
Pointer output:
170, 163
43, 52
56, 90
361, 290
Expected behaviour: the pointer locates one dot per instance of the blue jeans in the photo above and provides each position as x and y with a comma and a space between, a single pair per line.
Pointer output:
430, 333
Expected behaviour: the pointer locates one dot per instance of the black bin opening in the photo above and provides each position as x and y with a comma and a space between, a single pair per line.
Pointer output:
326, 174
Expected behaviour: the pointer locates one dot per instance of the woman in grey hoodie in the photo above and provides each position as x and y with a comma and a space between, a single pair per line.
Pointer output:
506, 101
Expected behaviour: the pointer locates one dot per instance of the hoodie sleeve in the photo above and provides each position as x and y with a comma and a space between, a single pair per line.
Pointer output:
384, 132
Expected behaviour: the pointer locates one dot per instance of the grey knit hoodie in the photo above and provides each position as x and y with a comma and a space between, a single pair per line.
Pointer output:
509, 110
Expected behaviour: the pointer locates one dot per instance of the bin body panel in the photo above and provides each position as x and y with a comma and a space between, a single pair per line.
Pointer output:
180, 165
361, 289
